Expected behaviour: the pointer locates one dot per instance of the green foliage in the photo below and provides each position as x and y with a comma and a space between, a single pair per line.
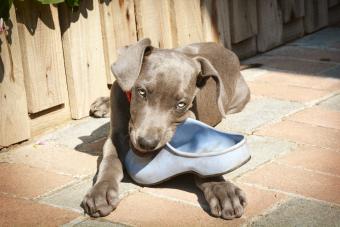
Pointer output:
5, 5
72, 3
4, 8
50, 1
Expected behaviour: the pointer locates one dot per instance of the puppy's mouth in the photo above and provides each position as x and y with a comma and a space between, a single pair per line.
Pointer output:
144, 153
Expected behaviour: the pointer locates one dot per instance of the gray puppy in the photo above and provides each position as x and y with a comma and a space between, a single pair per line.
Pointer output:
201, 80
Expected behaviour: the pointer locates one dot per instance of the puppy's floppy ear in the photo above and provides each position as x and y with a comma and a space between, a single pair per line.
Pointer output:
207, 71
129, 62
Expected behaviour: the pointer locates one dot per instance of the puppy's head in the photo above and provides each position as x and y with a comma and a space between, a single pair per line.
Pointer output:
163, 84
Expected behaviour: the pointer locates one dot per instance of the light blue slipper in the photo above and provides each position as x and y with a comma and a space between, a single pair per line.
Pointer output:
195, 147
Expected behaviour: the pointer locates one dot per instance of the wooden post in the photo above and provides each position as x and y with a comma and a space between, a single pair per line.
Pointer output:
292, 30
292, 9
42, 54
118, 28
243, 19
332, 3
215, 20
156, 20
188, 21
334, 15
316, 15
14, 123
84, 55
269, 25
245, 49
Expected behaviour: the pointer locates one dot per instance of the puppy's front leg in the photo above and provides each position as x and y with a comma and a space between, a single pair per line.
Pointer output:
102, 198
225, 199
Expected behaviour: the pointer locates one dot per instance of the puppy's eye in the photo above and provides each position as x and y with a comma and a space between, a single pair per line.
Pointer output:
141, 92
181, 105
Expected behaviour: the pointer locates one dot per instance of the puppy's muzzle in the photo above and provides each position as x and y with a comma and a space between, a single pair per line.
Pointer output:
147, 144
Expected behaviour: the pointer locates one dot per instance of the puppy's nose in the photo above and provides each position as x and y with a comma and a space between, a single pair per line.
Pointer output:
147, 143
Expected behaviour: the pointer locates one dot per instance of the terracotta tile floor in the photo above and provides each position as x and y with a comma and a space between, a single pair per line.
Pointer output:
293, 128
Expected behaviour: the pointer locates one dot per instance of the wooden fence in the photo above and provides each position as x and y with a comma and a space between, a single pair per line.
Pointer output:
55, 60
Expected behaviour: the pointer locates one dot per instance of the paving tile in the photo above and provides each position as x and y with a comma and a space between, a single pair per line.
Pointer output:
323, 39
77, 134
286, 92
53, 157
19, 212
29, 182
301, 212
333, 72
260, 200
263, 149
293, 65
69, 197
310, 53
332, 103
303, 133
181, 188
253, 73
142, 209
318, 116
300, 80
313, 158
72, 196
99, 222
296, 180
258, 111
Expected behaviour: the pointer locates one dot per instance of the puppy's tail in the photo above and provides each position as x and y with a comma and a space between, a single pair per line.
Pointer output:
249, 66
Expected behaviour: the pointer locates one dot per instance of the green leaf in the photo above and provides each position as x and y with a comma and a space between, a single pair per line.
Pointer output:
72, 3
4, 8
50, 1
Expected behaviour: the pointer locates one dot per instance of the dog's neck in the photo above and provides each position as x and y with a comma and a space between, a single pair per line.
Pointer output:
128, 95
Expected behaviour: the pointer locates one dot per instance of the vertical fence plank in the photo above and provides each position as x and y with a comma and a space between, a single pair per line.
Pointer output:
155, 20
292, 30
84, 57
188, 21
215, 20
292, 9
332, 3
334, 15
42, 54
316, 15
14, 123
243, 19
118, 29
269, 25
246, 48
209, 21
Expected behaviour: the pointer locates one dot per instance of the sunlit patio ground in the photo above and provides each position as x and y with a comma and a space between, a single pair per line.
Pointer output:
293, 179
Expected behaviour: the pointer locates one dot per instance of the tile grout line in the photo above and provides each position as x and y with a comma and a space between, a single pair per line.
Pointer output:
285, 116
314, 47
266, 211
204, 207
305, 169
336, 64
282, 154
58, 189
290, 194
267, 161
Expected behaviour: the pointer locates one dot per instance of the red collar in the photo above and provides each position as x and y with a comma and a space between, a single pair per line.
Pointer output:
128, 95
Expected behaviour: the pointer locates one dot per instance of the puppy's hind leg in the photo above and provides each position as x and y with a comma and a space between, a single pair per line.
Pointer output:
100, 108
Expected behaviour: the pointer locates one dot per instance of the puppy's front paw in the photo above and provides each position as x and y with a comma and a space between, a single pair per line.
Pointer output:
101, 200
225, 199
